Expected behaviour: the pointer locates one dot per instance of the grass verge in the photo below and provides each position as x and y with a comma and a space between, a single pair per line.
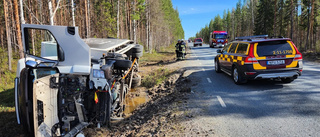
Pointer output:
156, 77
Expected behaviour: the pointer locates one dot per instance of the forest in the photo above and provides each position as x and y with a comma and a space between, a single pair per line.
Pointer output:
295, 19
151, 23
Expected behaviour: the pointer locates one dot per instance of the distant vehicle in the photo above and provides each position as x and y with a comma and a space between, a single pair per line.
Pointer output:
197, 41
260, 57
218, 39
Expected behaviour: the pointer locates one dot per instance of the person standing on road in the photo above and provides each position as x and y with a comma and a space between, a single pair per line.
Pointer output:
180, 49
183, 49
177, 49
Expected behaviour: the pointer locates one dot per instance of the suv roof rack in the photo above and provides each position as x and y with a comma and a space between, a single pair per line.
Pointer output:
276, 37
249, 38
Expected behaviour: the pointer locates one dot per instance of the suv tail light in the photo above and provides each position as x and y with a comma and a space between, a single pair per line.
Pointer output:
250, 59
298, 56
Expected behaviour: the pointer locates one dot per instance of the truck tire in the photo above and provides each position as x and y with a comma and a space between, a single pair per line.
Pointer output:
122, 64
136, 81
137, 49
105, 108
137, 55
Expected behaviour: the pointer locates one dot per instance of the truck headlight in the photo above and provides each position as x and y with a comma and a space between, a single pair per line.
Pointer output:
98, 73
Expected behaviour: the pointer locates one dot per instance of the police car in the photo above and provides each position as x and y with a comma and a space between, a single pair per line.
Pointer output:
260, 57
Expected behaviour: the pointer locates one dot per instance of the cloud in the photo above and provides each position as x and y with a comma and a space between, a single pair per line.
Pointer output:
202, 9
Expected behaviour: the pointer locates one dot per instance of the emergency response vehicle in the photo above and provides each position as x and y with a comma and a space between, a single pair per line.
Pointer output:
218, 39
260, 57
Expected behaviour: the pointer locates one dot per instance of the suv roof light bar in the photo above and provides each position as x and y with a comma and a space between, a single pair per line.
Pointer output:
249, 38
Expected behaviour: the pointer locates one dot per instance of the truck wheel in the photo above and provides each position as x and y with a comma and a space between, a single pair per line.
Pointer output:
137, 55
136, 81
105, 108
122, 64
137, 49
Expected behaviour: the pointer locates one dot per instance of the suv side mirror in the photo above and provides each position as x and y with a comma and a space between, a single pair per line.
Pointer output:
219, 51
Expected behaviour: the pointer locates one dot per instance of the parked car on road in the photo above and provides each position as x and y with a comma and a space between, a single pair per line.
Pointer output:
260, 57
197, 41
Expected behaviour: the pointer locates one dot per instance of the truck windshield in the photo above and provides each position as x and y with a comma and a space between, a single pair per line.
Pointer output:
220, 36
198, 40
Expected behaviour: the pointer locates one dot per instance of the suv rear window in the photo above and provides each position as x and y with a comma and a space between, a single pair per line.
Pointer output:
198, 40
271, 48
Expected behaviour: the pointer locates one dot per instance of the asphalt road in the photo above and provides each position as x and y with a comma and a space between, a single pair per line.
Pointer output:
256, 109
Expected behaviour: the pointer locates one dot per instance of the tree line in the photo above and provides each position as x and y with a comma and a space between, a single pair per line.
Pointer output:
152, 23
295, 19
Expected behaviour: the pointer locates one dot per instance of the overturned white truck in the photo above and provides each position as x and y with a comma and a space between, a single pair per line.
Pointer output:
65, 83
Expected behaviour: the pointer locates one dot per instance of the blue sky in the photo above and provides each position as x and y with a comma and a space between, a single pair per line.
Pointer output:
195, 14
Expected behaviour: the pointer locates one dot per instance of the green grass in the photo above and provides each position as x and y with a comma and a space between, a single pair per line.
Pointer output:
165, 53
156, 77
7, 88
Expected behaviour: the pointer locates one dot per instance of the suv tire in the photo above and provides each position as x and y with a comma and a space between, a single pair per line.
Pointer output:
217, 66
237, 77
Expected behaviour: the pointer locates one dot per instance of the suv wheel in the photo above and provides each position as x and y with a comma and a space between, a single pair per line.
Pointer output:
217, 66
237, 78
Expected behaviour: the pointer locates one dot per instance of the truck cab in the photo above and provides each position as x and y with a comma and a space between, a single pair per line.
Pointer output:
65, 83
218, 39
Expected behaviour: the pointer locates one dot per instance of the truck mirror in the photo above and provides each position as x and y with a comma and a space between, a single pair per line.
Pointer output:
31, 63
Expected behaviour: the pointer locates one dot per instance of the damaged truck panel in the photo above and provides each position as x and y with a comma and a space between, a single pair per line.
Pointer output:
45, 105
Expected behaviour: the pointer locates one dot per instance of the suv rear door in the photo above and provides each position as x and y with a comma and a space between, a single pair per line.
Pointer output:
274, 55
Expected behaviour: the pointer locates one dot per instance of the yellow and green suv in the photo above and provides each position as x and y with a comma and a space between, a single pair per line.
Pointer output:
260, 57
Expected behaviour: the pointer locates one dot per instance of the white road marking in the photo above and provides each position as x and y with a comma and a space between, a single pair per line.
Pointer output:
203, 69
221, 102
209, 80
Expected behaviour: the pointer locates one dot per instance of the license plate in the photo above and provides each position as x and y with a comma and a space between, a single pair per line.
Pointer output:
275, 62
